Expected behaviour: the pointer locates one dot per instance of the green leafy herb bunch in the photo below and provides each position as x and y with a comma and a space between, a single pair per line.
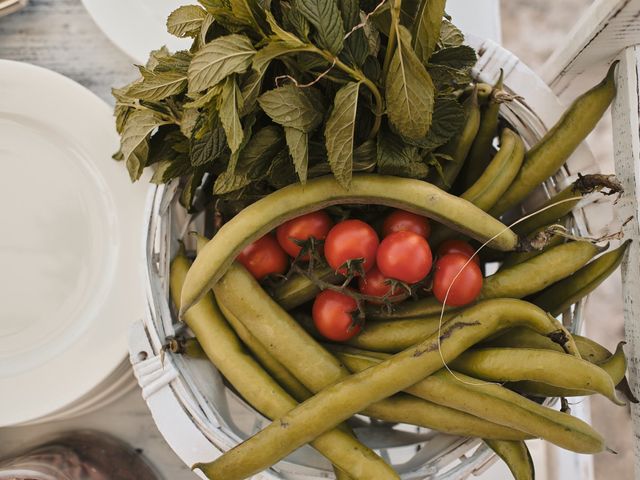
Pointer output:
274, 92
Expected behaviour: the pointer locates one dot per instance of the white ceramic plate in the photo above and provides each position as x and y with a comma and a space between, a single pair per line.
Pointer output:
137, 26
70, 247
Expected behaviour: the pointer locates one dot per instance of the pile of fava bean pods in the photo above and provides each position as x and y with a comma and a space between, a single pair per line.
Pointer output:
504, 351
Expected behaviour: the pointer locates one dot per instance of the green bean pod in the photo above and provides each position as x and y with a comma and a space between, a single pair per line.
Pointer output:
542, 366
278, 371
480, 152
458, 147
553, 150
492, 184
517, 457
294, 200
514, 258
402, 408
499, 173
615, 368
396, 335
278, 332
491, 402
254, 384
525, 338
355, 393
316, 367
564, 202
561, 295
298, 289
538, 273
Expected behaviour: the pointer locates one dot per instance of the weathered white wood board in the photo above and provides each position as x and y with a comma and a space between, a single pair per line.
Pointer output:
626, 127
605, 29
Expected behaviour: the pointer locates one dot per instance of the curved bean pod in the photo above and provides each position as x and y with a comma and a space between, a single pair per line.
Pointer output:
353, 394
615, 367
491, 402
514, 258
553, 150
254, 384
294, 200
517, 457
539, 272
458, 147
561, 295
567, 199
480, 153
541, 366
499, 173
298, 289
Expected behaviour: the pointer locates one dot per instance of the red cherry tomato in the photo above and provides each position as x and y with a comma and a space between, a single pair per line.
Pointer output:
373, 284
333, 315
457, 246
466, 287
405, 256
264, 257
314, 224
403, 221
350, 240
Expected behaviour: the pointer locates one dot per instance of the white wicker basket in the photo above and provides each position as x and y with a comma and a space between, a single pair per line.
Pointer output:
201, 418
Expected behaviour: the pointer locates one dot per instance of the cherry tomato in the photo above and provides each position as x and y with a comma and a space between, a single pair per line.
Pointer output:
457, 246
350, 240
373, 284
333, 315
405, 256
401, 221
264, 257
314, 224
465, 289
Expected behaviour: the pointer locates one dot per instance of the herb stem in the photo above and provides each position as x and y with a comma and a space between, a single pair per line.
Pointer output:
391, 44
361, 77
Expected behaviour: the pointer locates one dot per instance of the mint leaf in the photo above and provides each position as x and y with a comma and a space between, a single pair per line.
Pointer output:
272, 50
356, 46
230, 106
219, 59
293, 20
426, 28
208, 140
298, 143
250, 86
156, 55
253, 161
450, 35
409, 90
340, 131
281, 34
158, 85
251, 13
188, 121
448, 119
397, 158
325, 16
460, 58
186, 21
293, 106
134, 143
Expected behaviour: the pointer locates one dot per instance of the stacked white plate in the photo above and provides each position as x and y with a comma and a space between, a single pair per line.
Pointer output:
70, 249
